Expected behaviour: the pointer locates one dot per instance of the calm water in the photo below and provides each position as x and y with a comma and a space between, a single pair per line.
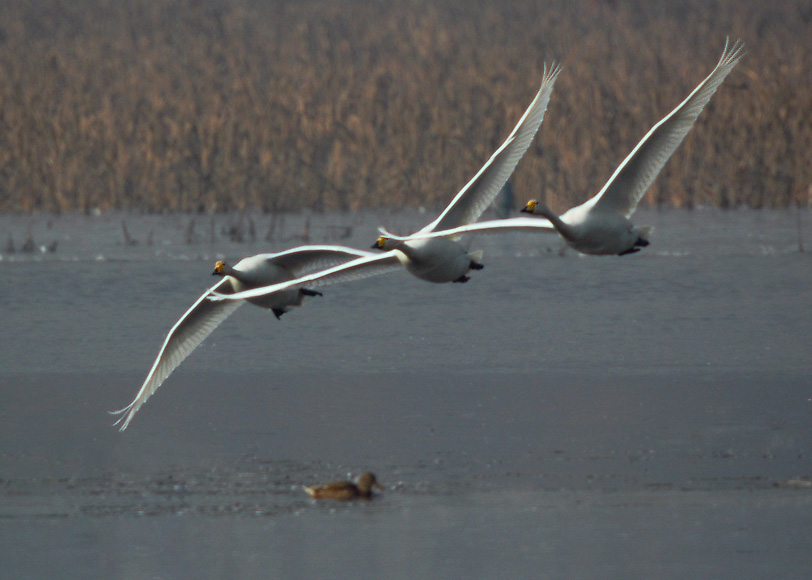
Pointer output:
557, 417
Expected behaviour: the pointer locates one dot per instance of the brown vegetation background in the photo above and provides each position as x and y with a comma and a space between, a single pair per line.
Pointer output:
209, 105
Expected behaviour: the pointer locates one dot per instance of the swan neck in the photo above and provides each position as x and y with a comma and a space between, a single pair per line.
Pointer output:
236, 274
405, 249
563, 227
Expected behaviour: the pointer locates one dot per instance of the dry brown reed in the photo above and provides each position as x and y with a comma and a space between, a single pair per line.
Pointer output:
208, 105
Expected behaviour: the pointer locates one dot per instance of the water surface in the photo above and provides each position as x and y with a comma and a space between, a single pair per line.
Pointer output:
557, 416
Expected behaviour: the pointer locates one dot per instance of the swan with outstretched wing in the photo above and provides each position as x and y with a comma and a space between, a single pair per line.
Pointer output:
200, 320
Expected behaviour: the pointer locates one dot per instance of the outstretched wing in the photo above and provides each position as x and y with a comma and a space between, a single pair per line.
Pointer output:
188, 333
519, 224
357, 269
635, 175
480, 192
304, 259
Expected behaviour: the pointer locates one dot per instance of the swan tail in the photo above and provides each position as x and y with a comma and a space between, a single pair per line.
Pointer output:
476, 256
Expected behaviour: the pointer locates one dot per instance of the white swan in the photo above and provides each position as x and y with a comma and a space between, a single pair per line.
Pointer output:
440, 259
200, 320
437, 259
360, 268
602, 225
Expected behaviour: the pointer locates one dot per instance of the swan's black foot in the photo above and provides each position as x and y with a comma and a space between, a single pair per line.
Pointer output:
278, 312
629, 251
641, 242
462, 279
476, 265
309, 292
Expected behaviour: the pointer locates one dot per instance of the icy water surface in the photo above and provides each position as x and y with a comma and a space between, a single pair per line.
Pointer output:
558, 416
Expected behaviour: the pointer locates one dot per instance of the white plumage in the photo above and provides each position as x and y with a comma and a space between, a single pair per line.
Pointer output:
601, 225
200, 320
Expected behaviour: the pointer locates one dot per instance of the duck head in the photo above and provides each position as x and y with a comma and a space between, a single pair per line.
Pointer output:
367, 481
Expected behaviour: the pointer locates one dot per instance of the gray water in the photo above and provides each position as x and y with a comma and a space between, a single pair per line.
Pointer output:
558, 416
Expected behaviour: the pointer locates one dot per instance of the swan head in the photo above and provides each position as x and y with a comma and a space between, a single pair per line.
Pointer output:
383, 243
220, 268
530, 206
536, 207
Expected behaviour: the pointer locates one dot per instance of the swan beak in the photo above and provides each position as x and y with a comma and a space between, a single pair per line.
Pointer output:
525, 209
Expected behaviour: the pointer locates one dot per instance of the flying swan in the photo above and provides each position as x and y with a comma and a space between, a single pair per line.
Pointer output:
601, 225
200, 320
442, 259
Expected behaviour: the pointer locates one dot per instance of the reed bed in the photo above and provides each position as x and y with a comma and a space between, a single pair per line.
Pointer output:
213, 105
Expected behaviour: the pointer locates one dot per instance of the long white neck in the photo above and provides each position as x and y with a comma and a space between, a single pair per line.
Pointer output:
565, 229
230, 271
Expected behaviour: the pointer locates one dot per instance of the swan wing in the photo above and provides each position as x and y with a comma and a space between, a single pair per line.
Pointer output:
519, 224
635, 175
304, 259
479, 193
358, 269
188, 333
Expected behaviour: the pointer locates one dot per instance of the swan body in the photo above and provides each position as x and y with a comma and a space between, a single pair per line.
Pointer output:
602, 225
257, 271
200, 320
433, 259
595, 232
438, 260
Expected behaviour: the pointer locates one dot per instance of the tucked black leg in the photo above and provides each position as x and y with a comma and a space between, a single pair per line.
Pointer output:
476, 265
641, 242
629, 251
309, 292
462, 279
278, 312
